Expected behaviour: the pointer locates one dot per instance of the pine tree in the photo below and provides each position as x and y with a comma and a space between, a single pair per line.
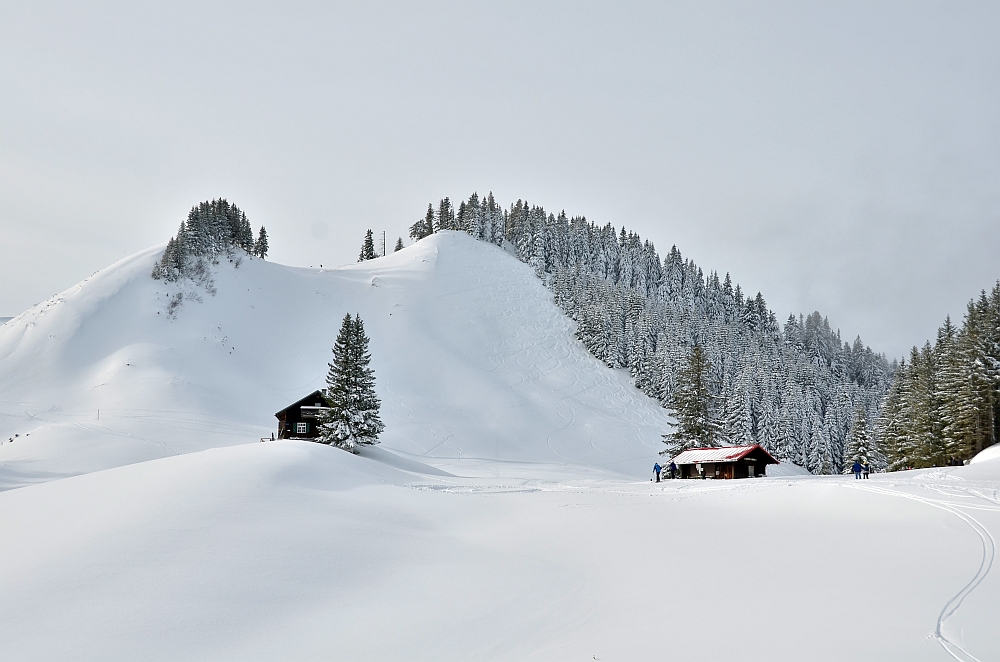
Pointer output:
399, 245
352, 418
244, 233
367, 248
424, 227
891, 426
858, 442
260, 247
445, 215
691, 404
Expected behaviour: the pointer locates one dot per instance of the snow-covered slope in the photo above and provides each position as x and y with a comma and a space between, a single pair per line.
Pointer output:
472, 359
991, 453
292, 550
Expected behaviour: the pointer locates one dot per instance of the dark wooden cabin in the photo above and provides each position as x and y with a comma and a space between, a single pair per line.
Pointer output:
299, 420
726, 462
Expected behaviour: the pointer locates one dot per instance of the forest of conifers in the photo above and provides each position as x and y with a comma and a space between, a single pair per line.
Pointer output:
943, 404
797, 388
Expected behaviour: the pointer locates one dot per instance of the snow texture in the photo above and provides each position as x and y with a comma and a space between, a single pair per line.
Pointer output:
991, 453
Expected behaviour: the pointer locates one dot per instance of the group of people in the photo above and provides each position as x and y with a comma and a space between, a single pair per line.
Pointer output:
671, 470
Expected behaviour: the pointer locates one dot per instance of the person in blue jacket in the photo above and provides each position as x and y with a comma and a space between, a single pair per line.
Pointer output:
672, 469
657, 469
856, 469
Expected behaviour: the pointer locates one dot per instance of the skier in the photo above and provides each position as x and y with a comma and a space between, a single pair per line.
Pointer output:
867, 469
856, 469
673, 470
657, 469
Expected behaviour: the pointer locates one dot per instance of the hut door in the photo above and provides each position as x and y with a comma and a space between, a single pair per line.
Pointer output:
727, 471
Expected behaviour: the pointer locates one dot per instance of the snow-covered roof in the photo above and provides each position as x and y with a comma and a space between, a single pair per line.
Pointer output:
723, 454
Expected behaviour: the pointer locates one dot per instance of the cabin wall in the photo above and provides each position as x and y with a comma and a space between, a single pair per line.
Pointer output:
298, 420
722, 470
289, 428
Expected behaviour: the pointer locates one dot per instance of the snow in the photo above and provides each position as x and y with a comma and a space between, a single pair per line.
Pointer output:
987, 454
785, 470
509, 514
472, 360
293, 550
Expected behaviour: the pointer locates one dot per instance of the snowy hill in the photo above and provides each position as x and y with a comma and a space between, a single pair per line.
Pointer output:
508, 514
472, 359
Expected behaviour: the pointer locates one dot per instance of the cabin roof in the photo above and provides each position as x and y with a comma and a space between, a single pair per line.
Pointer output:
308, 401
722, 454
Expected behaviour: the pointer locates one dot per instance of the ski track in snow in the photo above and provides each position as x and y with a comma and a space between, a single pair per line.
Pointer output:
949, 641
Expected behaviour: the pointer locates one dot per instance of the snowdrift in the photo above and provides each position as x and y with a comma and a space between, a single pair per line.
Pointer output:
294, 550
785, 470
473, 360
987, 455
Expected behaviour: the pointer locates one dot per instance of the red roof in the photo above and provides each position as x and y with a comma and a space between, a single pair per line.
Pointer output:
719, 454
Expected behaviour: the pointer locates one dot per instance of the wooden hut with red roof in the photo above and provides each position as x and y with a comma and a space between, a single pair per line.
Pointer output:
725, 462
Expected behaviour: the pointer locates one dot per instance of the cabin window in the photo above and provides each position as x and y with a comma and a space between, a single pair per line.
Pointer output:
301, 428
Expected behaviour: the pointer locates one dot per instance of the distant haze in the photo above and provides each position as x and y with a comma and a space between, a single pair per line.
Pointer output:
837, 157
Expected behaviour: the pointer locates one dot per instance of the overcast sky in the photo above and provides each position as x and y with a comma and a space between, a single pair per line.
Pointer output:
836, 157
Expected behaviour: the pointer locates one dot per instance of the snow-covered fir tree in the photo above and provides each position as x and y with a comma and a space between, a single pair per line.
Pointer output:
367, 248
424, 227
352, 418
260, 246
399, 245
861, 447
691, 403
445, 218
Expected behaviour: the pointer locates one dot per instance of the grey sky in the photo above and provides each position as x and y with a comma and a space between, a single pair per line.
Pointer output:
840, 157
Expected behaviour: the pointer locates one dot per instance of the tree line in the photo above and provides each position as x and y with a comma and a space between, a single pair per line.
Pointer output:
944, 403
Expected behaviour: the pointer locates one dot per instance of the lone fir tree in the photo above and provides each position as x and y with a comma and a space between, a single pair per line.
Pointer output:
367, 248
691, 405
399, 245
352, 419
260, 247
